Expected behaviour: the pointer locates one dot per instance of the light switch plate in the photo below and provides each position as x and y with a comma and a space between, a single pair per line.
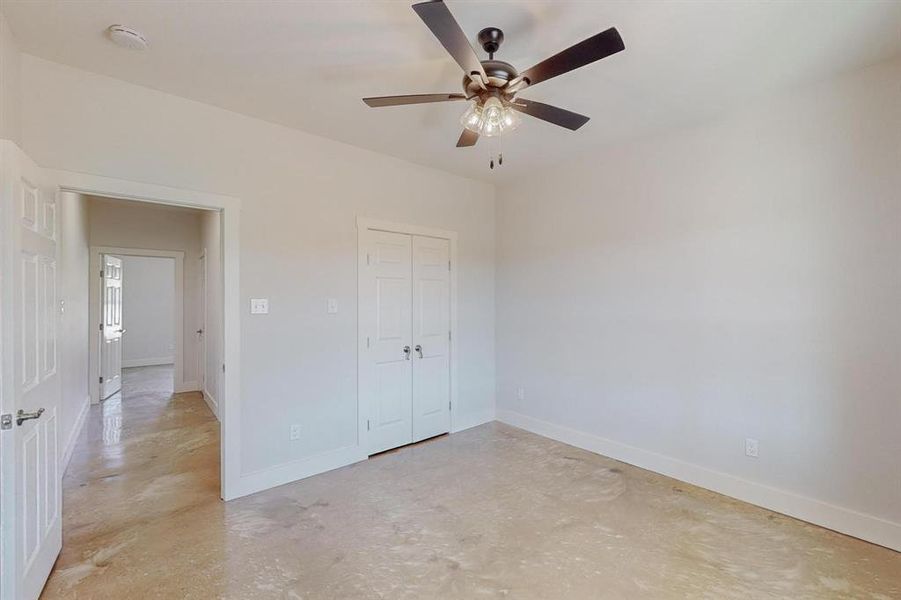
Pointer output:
259, 306
332, 306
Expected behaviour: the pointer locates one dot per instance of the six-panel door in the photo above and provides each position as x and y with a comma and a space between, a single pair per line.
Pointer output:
431, 337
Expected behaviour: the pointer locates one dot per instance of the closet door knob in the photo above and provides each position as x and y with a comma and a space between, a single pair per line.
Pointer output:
418, 348
406, 353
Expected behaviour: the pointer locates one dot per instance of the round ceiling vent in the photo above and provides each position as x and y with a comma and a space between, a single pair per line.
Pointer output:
127, 37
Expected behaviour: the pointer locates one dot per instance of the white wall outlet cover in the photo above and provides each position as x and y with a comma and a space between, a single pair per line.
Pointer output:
332, 306
520, 393
294, 432
259, 306
752, 447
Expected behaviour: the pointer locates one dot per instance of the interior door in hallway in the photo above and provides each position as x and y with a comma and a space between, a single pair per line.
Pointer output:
431, 337
111, 327
29, 460
386, 361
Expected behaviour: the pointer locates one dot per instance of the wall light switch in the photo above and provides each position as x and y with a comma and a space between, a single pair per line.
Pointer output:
294, 432
259, 306
520, 393
332, 306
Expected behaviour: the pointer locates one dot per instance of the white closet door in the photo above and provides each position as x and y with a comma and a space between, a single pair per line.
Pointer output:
386, 324
431, 337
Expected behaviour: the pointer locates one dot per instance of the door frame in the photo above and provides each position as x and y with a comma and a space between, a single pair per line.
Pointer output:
365, 224
94, 302
229, 209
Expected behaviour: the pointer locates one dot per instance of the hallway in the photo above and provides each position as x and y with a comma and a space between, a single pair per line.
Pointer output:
145, 456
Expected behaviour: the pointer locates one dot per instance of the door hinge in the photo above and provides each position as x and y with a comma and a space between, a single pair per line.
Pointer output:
6, 421
223, 367
101, 327
448, 336
368, 259
101, 380
448, 265
367, 424
448, 405
367, 341
101, 274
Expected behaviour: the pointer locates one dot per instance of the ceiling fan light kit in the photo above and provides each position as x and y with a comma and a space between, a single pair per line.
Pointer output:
491, 85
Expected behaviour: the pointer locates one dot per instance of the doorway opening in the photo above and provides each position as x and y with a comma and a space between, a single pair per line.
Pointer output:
141, 306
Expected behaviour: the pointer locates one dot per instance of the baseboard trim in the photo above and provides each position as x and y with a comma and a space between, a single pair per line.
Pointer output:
187, 386
866, 527
147, 362
265, 479
473, 419
73, 437
212, 403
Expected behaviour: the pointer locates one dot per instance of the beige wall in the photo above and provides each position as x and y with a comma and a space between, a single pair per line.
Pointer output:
675, 296
300, 198
10, 86
125, 224
74, 264
148, 311
211, 241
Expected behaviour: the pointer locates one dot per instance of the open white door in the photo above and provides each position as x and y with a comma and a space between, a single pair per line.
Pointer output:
111, 327
29, 467
385, 369
431, 337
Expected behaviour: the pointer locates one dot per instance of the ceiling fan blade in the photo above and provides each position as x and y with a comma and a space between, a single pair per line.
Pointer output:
441, 22
380, 101
551, 114
585, 52
467, 138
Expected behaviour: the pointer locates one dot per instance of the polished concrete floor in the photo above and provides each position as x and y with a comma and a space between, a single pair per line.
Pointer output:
492, 512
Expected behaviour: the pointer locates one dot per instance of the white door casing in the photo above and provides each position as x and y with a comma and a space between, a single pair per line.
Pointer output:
201, 331
431, 337
386, 309
111, 329
30, 477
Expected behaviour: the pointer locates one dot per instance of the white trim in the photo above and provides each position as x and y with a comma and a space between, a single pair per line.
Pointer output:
148, 362
230, 207
95, 310
364, 224
211, 403
73, 437
844, 520
289, 472
186, 386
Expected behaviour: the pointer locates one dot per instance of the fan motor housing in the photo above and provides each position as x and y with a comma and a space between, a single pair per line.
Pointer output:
498, 72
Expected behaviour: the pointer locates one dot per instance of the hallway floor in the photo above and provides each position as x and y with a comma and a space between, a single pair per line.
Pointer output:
491, 512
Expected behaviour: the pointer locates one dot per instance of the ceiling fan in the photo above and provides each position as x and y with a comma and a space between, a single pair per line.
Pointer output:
492, 84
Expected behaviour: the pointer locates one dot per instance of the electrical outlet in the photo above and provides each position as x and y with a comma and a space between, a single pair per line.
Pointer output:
294, 432
751, 447
332, 306
520, 393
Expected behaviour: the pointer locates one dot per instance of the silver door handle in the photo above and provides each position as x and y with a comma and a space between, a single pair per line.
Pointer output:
122, 330
406, 353
418, 348
22, 416
200, 331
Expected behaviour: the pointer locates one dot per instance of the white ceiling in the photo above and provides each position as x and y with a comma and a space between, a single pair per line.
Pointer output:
306, 64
